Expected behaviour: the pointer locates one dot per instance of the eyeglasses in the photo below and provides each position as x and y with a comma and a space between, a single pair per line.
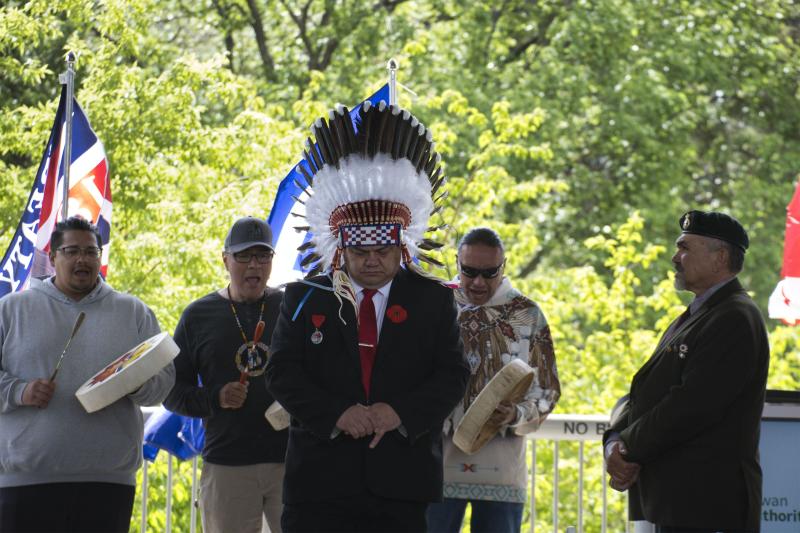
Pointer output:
71, 252
245, 257
487, 273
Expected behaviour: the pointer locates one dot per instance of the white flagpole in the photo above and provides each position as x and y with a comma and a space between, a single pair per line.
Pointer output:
68, 79
392, 67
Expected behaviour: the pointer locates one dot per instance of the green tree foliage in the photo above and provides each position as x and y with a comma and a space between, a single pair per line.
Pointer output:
579, 129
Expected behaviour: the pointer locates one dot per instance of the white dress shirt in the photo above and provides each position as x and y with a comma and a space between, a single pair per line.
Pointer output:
379, 300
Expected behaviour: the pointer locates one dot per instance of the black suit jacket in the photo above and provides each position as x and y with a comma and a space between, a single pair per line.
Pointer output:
419, 370
693, 418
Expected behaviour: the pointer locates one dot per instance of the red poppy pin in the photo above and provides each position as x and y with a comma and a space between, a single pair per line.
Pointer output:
397, 314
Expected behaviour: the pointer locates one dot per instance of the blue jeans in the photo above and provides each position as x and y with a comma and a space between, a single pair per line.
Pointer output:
487, 516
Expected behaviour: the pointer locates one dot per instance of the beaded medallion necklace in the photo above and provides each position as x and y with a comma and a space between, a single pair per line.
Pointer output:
236, 316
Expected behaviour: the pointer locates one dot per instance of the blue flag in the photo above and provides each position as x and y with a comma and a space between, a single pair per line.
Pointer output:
178, 435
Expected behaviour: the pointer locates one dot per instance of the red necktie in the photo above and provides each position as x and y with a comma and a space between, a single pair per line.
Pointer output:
367, 336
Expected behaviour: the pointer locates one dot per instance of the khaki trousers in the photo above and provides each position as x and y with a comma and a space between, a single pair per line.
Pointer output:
235, 498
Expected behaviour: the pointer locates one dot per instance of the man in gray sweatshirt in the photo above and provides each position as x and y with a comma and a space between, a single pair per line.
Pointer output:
62, 469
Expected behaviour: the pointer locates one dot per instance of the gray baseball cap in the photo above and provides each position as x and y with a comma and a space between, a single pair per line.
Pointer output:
246, 233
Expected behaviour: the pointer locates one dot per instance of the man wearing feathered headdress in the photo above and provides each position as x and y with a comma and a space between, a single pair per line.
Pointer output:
367, 358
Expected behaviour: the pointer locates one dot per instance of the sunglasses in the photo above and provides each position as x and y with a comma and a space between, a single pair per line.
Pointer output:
486, 273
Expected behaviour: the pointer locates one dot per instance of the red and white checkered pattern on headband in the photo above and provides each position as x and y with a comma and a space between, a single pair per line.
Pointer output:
369, 235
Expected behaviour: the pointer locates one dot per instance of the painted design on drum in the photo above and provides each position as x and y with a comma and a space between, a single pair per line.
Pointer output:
252, 361
121, 363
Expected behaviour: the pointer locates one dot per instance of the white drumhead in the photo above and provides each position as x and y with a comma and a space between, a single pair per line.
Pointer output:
277, 416
475, 429
127, 372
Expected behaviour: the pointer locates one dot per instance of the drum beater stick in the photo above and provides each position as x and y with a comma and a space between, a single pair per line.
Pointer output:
75, 329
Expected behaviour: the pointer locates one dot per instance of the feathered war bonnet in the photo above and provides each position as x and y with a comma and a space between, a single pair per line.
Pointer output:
376, 186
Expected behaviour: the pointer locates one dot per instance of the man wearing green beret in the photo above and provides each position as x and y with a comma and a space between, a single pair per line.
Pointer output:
686, 444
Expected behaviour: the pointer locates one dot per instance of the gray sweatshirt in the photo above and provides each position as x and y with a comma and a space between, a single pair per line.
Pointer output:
62, 442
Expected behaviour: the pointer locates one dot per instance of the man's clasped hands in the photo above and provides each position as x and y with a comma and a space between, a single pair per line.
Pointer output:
361, 420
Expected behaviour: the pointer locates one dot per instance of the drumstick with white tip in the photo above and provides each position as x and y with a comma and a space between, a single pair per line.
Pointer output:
256, 337
75, 329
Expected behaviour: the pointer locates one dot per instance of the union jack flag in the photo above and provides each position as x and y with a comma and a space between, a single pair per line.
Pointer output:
89, 197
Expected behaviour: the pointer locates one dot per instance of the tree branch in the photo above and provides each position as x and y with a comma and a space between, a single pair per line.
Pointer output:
330, 47
388, 5
261, 40
539, 38
497, 14
224, 13
302, 28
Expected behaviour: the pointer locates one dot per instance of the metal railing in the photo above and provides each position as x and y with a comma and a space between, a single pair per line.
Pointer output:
556, 429
168, 505
569, 427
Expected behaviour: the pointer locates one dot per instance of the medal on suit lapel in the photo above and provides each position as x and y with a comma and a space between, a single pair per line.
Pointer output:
317, 320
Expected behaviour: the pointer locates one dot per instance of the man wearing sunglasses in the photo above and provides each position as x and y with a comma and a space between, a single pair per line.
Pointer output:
498, 324
242, 475
61, 468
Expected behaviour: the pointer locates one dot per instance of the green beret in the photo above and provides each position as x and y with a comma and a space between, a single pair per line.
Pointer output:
716, 225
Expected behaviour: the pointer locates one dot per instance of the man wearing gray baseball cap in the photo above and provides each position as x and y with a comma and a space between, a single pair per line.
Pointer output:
248, 232
224, 339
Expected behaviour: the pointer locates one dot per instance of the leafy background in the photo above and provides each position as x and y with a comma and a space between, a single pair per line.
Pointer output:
580, 130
